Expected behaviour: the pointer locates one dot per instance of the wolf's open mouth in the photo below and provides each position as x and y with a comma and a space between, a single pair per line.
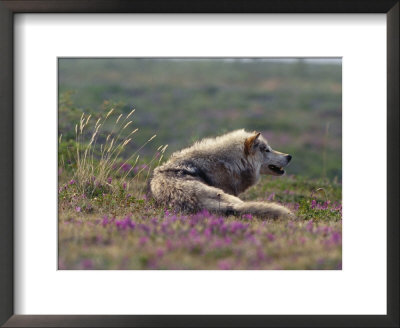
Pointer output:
277, 170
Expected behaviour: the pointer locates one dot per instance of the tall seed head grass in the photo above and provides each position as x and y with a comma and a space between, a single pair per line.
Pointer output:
98, 165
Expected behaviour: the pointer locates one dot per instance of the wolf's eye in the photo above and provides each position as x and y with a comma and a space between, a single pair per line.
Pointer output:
264, 148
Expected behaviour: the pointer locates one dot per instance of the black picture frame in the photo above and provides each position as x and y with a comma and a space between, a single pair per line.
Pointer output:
11, 7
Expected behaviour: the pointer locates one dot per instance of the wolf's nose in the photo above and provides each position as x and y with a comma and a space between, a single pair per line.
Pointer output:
288, 157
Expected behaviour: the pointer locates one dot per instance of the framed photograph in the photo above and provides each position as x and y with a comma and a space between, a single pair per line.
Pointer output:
206, 164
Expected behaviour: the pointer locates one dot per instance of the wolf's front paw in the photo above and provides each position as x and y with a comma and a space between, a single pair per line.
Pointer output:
276, 211
285, 213
291, 216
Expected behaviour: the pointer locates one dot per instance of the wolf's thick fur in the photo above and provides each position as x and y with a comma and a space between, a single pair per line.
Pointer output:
211, 173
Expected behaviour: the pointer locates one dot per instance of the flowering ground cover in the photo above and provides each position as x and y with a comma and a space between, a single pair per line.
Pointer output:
123, 229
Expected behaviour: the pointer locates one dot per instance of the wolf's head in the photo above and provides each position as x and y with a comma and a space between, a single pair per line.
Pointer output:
270, 161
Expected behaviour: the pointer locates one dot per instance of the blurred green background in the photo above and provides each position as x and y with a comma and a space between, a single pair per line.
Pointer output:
295, 103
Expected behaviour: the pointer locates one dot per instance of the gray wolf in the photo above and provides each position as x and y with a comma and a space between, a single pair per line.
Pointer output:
214, 171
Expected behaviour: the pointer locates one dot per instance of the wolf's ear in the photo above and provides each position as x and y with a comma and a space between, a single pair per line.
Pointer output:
249, 142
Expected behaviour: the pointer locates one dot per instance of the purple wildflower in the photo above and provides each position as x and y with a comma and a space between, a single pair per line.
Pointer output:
271, 236
164, 227
204, 213
145, 228
238, 226
126, 167
310, 226
218, 243
170, 245
313, 204
143, 241
228, 240
87, 264
336, 238
260, 254
247, 216
224, 265
223, 229
207, 232
125, 223
105, 221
